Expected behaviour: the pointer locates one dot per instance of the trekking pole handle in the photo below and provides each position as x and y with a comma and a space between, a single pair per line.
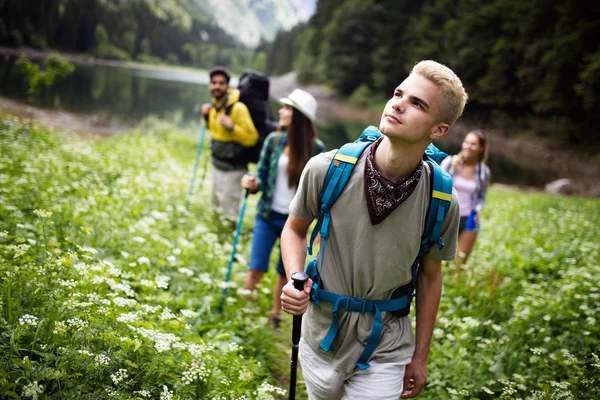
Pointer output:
299, 279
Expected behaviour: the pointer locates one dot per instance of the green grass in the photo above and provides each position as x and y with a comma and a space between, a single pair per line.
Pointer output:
109, 288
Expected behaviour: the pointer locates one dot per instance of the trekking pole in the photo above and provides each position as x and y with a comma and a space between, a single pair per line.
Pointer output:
235, 240
299, 279
198, 152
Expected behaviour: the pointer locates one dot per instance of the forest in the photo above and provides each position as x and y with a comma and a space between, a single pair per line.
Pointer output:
536, 64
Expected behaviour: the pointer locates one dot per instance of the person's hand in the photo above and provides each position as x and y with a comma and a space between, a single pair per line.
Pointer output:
226, 121
415, 377
294, 301
249, 182
476, 219
205, 109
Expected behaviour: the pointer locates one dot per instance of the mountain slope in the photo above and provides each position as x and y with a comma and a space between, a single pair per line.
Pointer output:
249, 20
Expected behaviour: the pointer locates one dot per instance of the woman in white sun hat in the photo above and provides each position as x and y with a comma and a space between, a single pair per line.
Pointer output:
283, 157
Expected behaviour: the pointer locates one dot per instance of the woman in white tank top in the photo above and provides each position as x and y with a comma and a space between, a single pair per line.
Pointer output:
283, 157
470, 178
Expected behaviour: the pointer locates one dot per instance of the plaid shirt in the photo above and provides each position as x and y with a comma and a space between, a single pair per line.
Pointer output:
266, 171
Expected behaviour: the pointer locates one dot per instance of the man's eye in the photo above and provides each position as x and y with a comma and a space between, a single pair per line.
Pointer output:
417, 104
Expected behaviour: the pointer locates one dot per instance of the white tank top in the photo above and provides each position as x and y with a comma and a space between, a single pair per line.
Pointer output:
465, 188
282, 194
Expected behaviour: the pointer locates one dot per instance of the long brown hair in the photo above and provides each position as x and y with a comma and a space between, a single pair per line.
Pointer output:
483, 142
301, 134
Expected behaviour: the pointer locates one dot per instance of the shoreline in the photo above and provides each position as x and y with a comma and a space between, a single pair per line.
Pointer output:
35, 54
564, 161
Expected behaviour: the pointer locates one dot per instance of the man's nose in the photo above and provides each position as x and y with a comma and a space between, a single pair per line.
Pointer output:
399, 105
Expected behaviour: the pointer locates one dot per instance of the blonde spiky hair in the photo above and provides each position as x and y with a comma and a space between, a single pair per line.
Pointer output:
454, 96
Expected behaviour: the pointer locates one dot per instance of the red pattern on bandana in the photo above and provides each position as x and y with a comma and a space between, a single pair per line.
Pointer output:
384, 196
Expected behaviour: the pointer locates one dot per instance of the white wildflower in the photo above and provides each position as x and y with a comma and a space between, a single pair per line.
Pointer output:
172, 260
144, 260
119, 376
101, 359
265, 390
166, 394
77, 323
162, 281
186, 271
128, 317
123, 302
147, 283
143, 393
32, 390
166, 315
28, 320
43, 213
19, 249
189, 313
138, 239
60, 327
193, 373
150, 309
69, 284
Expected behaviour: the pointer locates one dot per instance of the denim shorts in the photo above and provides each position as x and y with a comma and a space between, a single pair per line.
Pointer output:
266, 233
463, 225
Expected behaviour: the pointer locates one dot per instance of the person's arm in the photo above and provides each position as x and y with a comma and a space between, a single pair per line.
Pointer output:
429, 292
242, 128
263, 168
293, 252
485, 183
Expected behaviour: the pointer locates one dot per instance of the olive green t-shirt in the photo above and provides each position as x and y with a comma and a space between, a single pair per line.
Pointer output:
367, 261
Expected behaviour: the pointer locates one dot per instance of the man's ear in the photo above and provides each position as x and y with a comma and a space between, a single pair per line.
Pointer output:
439, 131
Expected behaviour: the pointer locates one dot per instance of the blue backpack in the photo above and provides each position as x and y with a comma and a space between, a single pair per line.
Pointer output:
338, 175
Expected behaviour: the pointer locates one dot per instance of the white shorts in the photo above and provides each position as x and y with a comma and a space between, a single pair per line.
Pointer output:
381, 381
226, 191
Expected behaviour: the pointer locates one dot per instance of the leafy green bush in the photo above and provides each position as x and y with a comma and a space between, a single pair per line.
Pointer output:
108, 287
521, 322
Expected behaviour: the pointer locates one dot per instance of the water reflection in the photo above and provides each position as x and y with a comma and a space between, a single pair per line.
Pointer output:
113, 93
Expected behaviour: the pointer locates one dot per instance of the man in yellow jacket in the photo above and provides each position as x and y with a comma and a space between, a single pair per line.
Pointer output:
232, 131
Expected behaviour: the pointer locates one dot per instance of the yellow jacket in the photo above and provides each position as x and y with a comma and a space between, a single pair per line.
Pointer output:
244, 132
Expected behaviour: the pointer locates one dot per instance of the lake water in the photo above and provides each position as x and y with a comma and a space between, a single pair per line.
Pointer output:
130, 95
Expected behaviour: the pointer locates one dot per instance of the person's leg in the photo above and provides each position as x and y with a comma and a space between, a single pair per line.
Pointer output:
275, 318
231, 188
322, 381
466, 240
381, 381
262, 244
281, 276
214, 187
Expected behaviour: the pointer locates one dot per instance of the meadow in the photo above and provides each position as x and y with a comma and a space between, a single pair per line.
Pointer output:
109, 288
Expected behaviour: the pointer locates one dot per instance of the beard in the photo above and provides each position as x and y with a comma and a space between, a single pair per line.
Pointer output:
217, 93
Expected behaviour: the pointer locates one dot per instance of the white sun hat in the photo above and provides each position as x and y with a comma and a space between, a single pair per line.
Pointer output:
303, 102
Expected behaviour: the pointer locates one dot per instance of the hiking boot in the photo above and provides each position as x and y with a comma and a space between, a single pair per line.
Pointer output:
275, 321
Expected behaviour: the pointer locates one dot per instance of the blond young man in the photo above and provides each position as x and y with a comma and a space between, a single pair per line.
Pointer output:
375, 230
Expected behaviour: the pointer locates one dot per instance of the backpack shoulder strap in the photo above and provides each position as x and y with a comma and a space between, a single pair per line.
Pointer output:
337, 177
439, 204
229, 108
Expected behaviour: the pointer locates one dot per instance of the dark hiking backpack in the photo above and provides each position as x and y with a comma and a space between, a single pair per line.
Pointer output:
254, 93
337, 176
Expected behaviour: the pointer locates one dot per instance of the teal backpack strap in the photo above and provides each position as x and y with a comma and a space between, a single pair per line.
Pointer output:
441, 198
336, 179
